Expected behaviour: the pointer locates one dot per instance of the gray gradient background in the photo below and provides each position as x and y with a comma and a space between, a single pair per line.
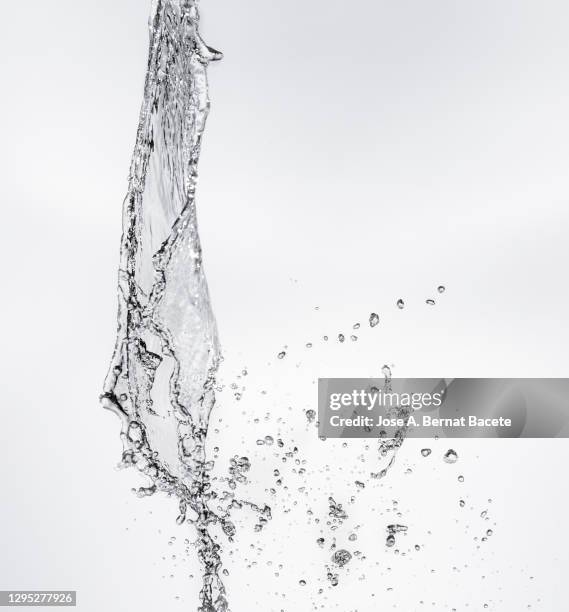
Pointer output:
355, 153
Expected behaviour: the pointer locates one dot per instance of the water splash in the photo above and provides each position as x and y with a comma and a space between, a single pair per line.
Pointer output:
161, 379
388, 447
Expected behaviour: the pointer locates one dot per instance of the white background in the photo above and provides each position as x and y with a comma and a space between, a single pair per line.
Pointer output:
355, 154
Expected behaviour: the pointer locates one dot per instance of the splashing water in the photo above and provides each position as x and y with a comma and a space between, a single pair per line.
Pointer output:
162, 373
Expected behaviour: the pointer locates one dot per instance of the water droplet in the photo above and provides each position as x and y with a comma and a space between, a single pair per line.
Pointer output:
430, 302
426, 452
336, 510
302, 582
390, 540
461, 478
269, 440
489, 532
326, 338
229, 529
356, 326
341, 557
320, 542
441, 288
309, 345
281, 355
373, 319
461, 503
450, 456
352, 537
353, 338
400, 304
341, 338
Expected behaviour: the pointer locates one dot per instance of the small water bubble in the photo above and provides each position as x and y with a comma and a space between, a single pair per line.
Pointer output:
441, 288
386, 371
356, 326
400, 304
353, 338
309, 345
390, 541
462, 503
430, 302
269, 440
310, 415
426, 452
373, 319
281, 355
341, 337
461, 478
320, 542
302, 582
450, 456
489, 532
352, 537
325, 338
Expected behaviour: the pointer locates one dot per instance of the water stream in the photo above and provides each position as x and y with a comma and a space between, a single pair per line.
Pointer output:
160, 382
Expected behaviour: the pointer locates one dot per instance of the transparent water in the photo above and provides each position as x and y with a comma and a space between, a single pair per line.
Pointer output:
162, 373
162, 378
